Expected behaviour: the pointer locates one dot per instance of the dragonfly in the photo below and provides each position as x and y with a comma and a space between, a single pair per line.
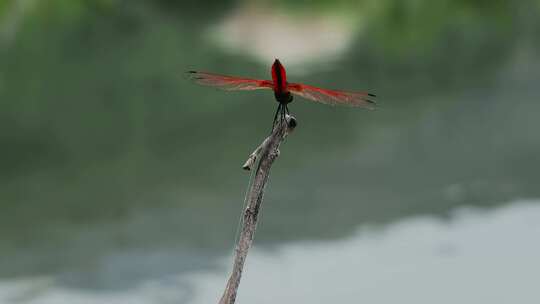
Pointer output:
284, 90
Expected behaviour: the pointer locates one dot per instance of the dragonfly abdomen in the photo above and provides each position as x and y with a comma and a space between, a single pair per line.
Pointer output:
279, 77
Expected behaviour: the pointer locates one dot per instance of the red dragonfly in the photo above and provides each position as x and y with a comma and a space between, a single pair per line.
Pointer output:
283, 90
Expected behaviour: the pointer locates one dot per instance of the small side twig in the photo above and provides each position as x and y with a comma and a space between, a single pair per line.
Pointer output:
248, 165
267, 151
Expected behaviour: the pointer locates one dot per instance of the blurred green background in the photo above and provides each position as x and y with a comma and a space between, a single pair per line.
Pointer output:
116, 170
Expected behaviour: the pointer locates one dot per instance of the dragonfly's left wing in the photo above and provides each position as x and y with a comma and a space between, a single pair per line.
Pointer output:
333, 97
230, 83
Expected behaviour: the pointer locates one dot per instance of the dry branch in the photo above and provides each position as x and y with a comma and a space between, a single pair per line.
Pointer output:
267, 152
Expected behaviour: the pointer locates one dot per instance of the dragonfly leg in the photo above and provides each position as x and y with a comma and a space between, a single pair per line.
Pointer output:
283, 117
278, 111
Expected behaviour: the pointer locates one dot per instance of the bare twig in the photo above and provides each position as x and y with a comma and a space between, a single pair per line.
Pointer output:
268, 151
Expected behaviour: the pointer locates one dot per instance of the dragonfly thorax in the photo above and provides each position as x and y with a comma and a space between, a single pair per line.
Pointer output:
283, 97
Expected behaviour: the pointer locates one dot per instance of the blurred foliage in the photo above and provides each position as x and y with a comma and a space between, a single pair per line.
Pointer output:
395, 25
96, 86
410, 24
406, 25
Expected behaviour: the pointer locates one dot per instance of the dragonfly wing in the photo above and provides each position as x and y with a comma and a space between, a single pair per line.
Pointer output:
229, 83
333, 97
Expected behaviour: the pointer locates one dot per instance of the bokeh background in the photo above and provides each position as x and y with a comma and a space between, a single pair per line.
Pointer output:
120, 180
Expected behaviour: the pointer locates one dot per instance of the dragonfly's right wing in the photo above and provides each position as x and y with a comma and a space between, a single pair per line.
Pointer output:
229, 83
333, 97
